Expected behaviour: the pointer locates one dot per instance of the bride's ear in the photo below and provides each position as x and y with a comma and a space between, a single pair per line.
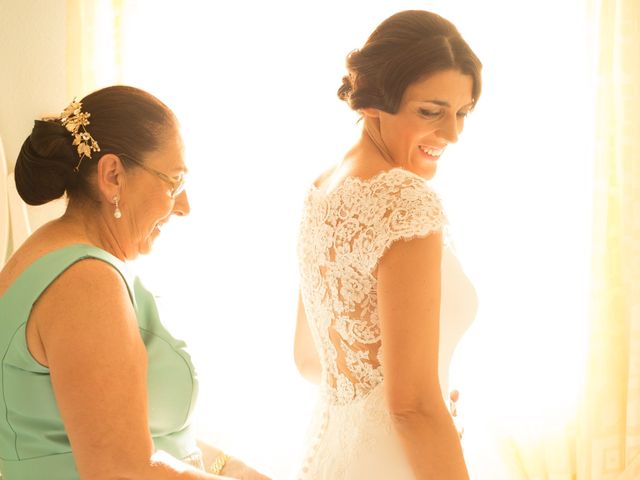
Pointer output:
370, 112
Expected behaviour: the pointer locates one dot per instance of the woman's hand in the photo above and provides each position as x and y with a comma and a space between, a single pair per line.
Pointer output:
236, 469
233, 467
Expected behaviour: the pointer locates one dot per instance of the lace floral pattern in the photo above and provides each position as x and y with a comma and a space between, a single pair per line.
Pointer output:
343, 235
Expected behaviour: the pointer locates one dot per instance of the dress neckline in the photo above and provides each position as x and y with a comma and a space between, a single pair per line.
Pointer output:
81, 247
350, 179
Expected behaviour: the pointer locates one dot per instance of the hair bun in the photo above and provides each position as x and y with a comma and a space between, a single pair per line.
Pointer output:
346, 89
45, 167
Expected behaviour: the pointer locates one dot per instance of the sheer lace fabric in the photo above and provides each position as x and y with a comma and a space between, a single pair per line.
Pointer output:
343, 235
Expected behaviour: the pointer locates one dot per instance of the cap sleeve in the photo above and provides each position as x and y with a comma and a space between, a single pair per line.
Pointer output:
412, 209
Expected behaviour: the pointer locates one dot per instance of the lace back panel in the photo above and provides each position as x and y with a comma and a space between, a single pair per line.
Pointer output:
343, 235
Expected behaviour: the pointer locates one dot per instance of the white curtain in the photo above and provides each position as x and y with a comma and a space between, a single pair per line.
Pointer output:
609, 435
253, 84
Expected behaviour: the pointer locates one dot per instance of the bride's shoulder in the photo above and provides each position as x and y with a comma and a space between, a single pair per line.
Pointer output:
399, 182
324, 176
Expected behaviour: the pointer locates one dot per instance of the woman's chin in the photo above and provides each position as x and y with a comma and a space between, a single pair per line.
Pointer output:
145, 246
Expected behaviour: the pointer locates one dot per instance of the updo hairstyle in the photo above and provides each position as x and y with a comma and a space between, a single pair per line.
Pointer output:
123, 120
405, 48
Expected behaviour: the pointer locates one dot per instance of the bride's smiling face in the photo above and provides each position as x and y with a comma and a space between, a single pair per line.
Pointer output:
431, 116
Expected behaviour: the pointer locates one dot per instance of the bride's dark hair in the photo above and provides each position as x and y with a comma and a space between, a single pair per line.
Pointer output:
403, 49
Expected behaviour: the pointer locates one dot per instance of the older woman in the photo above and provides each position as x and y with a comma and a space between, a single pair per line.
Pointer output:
92, 385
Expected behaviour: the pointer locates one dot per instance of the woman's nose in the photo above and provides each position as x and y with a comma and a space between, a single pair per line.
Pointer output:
449, 128
181, 206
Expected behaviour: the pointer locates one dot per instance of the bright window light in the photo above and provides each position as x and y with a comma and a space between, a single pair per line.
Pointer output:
253, 84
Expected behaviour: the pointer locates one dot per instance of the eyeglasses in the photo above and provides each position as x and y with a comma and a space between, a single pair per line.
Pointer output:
176, 183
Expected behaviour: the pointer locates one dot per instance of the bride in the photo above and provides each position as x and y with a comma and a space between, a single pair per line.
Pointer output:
371, 329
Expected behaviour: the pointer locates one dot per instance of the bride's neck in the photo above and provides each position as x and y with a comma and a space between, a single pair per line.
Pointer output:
370, 149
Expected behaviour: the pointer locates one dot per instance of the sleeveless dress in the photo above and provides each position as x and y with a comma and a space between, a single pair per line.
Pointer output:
33, 441
343, 235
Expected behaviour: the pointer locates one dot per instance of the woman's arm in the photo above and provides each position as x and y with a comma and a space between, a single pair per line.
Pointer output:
304, 349
98, 367
409, 309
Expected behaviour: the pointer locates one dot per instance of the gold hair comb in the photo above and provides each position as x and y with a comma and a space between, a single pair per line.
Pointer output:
76, 121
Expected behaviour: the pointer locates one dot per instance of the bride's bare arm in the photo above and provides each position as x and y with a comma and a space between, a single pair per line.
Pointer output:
304, 350
409, 309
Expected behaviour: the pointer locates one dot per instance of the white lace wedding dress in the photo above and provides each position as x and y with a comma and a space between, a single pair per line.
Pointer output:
343, 235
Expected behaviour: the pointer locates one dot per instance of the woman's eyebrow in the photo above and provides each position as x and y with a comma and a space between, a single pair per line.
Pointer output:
444, 103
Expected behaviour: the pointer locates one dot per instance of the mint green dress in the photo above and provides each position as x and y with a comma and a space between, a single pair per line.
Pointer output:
33, 441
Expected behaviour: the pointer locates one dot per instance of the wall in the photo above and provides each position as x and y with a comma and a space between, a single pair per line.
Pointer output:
33, 62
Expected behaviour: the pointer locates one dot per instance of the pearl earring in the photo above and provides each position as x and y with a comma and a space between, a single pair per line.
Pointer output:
116, 212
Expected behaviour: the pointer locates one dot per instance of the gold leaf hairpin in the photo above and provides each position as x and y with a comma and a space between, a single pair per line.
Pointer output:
76, 121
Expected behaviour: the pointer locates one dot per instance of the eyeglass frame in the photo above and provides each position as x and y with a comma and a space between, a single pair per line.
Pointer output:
177, 186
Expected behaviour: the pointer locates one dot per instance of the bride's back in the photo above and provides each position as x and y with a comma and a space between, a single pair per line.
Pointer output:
344, 233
